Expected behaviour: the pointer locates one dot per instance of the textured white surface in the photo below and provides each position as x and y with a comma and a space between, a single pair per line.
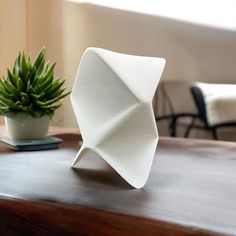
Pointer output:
112, 101
220, 100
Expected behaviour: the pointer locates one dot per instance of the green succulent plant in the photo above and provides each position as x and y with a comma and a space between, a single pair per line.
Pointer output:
31, 87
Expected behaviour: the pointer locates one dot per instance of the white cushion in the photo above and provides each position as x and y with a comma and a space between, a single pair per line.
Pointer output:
220, 100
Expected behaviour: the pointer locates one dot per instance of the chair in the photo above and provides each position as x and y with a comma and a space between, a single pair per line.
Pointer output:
174, 108
206, 97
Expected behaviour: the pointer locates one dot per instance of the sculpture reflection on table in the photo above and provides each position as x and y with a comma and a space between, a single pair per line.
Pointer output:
112, 101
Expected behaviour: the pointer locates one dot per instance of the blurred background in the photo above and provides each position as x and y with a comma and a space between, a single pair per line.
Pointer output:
197, 39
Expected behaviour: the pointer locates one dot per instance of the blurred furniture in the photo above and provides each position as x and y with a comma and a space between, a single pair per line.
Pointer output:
173, 122
190, 191
177, 107
216, 104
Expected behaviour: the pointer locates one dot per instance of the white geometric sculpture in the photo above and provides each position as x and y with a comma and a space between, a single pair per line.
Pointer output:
112, 101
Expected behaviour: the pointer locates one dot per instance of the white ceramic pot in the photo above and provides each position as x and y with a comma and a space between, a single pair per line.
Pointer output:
23, 126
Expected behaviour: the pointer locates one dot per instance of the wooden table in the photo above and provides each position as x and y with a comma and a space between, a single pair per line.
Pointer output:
191, 190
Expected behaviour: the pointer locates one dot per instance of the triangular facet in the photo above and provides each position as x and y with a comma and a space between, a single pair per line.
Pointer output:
140, 74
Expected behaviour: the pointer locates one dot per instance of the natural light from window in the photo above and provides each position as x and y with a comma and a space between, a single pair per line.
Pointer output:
220, 13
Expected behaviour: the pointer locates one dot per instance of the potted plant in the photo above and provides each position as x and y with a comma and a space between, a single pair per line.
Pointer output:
29, 95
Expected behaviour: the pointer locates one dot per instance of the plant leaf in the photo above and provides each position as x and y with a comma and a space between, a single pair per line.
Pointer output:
39, 60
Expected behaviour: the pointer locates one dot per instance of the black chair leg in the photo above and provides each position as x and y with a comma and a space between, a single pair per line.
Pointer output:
172, 126
214, 133
190, 127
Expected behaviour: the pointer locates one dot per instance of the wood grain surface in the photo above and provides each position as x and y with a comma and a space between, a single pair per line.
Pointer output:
191, 190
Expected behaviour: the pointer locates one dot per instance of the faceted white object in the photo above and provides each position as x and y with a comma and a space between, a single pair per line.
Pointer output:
112, 101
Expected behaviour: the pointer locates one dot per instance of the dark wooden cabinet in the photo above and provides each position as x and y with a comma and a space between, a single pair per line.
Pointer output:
191, 190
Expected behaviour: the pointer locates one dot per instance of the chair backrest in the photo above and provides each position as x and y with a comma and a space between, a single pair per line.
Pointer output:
200, 103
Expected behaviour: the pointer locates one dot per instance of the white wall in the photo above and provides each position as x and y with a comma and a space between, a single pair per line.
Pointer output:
12, 32
12, 28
